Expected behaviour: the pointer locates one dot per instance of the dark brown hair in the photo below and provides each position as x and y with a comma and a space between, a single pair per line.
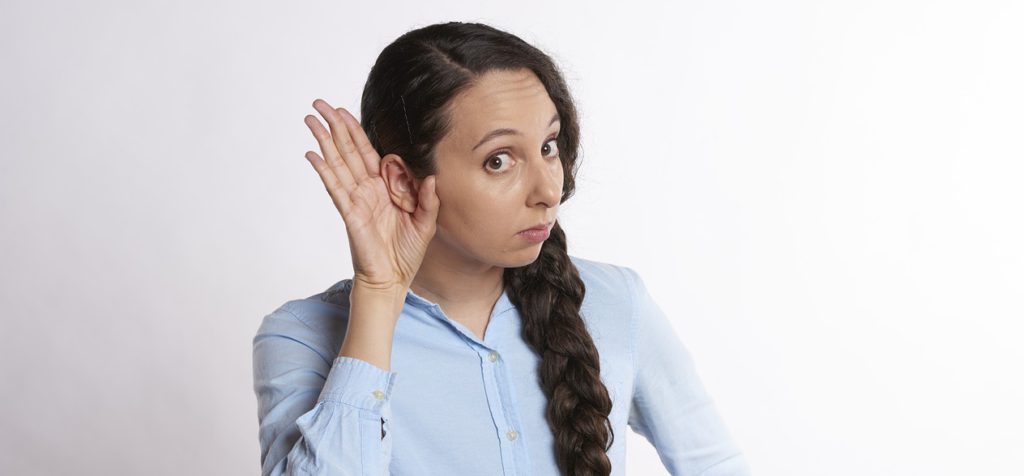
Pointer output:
404, 112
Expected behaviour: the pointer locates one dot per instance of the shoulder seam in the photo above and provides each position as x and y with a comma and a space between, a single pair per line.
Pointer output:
633, 319
286, 308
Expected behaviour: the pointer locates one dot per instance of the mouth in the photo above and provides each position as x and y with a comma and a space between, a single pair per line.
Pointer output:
541, 227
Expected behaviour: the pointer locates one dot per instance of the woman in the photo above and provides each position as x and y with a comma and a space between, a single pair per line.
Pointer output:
515, 357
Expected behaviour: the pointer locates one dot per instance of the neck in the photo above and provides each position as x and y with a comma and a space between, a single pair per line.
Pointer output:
458, 284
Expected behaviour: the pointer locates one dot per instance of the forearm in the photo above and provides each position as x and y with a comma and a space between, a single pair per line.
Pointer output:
373, 315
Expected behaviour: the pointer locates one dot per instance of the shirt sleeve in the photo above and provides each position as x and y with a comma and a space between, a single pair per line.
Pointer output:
670, 406
317, 418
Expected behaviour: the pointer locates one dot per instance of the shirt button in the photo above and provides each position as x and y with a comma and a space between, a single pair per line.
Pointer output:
379, 395
493, 356
512, 435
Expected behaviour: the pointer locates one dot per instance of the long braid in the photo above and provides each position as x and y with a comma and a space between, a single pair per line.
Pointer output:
548, 294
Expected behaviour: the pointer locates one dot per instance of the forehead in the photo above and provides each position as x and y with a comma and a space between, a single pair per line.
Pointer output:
497, 99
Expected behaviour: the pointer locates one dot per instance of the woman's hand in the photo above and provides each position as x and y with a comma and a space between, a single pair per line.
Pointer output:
387, 242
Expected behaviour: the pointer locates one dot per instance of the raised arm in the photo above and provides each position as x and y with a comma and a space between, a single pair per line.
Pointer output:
670, 406
327, 413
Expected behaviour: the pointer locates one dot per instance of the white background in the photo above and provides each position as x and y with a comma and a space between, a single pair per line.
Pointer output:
825, 196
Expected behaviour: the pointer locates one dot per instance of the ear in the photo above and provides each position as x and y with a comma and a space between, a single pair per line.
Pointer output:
402, 185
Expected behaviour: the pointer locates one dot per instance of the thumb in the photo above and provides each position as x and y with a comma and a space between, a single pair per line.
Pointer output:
428, 202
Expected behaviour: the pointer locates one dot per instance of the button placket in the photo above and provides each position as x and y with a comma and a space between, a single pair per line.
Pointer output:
517, 451
498, 403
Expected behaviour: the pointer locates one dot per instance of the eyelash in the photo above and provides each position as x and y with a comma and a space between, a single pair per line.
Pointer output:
506, 151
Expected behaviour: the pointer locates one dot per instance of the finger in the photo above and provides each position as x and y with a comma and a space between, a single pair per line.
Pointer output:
339, 133
428, 203
331, 183
370, 156
333, 158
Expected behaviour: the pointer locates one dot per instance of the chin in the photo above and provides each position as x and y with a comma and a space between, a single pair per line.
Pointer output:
519, 258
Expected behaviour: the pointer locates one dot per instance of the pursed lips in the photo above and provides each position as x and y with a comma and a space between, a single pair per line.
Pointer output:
540, 227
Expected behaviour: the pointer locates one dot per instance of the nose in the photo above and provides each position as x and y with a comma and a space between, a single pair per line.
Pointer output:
546, 177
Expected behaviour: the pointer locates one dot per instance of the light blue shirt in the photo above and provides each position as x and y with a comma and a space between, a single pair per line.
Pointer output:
454, 404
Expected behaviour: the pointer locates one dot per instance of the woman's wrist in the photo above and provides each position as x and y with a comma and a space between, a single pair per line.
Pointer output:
373, 315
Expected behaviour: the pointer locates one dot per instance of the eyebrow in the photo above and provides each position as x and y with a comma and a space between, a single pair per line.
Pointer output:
506, 132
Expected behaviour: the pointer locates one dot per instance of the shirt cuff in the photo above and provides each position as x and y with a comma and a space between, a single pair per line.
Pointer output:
358, 383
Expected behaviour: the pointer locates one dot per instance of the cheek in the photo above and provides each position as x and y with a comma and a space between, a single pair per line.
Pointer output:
472, 213
489, 213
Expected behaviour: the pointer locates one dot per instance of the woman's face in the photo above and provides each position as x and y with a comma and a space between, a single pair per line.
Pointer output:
498, 169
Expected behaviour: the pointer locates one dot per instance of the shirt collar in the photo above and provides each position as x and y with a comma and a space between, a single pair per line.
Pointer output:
503, 304
500, 306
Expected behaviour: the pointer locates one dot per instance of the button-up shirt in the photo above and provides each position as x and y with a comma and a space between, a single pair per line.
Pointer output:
455, 404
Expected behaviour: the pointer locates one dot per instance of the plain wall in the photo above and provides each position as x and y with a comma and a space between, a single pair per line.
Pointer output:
825, 197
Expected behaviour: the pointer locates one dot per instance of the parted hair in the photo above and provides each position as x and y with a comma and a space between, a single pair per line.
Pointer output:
404, 111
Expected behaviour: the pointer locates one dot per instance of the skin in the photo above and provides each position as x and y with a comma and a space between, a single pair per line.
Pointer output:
481, 210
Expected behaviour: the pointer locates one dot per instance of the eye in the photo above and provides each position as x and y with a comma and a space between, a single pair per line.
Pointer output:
550, 150
494, 163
